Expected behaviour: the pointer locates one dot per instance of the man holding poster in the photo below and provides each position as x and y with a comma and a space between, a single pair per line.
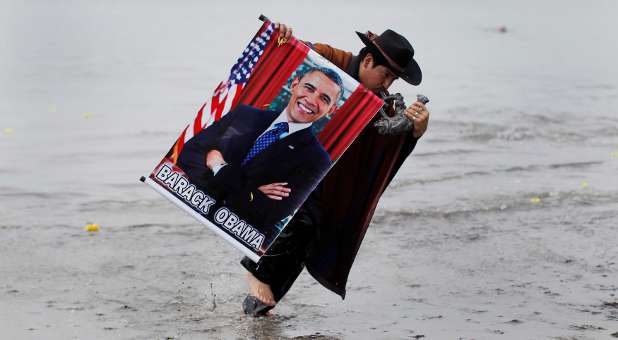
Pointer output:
262, 164
267, 138
325, 234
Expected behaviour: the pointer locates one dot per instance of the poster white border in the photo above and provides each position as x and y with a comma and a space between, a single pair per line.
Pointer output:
253, 256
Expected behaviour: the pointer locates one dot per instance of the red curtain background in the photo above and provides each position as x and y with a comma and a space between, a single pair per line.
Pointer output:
272, 71
348, 121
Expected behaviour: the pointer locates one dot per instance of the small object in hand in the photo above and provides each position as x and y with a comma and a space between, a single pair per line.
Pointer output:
92, 227
398, 123
535, 200
422, 98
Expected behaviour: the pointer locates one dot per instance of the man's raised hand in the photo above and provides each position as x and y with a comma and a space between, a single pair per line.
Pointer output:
418, 113
284, 30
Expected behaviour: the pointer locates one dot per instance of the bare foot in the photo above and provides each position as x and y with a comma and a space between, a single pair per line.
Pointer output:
260, 290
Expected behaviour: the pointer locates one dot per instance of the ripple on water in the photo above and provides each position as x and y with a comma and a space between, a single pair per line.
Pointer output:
404, 183
501, 204
446, 152
111, 204
16, 194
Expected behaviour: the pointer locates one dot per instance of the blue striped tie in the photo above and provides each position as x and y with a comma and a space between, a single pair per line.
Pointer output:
266, 139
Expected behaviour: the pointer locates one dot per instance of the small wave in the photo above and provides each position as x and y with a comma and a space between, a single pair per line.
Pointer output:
27, 195
502, 204
40, 195
564, 136
157, 225
396, 216
539, 118
608, 131
143, 225
574, 165
103, 205
446, 152
517, 134
570, 165
10, 227
522, 168
532, 127
524, 134
404, 183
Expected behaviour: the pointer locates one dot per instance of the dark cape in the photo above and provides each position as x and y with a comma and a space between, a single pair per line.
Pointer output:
348, 195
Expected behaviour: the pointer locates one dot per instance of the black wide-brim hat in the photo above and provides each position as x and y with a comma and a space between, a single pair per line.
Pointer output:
397, 51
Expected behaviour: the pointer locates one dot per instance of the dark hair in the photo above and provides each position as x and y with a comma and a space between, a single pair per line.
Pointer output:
331, 74
378, 59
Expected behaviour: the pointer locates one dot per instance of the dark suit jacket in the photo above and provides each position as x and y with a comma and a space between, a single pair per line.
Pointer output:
297, 159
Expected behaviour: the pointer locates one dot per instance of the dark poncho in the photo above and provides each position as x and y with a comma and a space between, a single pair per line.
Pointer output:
348, 195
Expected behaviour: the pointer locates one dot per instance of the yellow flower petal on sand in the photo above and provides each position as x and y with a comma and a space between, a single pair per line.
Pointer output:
8, 131
613, 154
535, 200
584, 185
92, 227
88, 115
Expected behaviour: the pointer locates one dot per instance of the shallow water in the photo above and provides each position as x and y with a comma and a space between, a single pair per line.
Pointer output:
501, 224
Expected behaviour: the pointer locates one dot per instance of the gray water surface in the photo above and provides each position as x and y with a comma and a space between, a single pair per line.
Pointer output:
503, 223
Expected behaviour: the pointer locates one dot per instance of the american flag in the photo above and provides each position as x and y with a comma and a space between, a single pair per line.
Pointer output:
227, 93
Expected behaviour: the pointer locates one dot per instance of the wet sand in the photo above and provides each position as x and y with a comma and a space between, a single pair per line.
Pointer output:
502, 225
449, 275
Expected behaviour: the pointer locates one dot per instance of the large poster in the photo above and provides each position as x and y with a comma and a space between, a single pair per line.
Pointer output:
265, 139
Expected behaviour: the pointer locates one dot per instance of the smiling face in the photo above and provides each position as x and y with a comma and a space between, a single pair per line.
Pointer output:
313, 96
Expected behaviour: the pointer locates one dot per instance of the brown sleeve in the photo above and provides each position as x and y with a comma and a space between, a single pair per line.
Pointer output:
336, 56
